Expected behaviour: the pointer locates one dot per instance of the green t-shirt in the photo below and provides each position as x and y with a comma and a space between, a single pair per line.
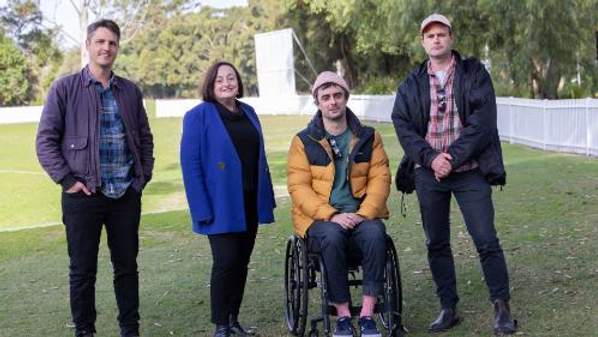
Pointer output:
341, 197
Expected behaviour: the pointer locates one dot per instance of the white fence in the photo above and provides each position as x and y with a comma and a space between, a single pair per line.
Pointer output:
20, 114
569, 125
560, 125
289, 105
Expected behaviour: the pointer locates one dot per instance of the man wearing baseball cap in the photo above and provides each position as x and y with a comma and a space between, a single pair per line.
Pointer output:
445, 118
339, 181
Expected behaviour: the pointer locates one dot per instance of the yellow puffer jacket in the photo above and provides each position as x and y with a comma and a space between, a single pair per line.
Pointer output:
310, 173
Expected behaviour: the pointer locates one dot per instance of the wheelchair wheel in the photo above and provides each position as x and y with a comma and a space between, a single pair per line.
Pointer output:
393, 293
296, 285
323, 285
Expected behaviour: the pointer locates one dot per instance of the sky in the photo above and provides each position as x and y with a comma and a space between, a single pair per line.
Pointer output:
63, 13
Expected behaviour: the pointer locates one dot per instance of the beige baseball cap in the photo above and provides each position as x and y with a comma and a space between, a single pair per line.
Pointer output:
434, 18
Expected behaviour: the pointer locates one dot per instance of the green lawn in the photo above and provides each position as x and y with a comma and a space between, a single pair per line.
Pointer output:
547, 219
30, 199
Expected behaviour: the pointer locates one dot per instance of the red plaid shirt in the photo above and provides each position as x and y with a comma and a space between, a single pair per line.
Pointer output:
445, 125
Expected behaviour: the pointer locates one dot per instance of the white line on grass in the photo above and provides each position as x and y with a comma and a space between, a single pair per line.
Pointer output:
22, 172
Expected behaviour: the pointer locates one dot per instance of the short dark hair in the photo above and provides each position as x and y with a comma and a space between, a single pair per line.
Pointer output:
104, 23
207, 87
326, 86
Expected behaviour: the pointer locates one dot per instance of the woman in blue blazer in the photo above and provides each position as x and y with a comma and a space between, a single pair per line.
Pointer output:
228, 187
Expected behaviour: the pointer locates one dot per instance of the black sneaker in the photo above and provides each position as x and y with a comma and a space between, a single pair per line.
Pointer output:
367, 327
344, 328
222, 331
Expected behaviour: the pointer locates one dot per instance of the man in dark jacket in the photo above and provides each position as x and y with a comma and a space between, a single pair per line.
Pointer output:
445, 118
94, 139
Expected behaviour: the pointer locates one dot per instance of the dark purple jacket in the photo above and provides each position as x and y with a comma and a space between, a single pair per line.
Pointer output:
68, 134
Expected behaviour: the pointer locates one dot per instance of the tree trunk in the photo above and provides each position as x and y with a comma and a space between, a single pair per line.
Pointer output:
349, 64
545, 79
83, 22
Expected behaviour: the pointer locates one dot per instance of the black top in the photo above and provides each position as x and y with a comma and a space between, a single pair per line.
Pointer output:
246, 140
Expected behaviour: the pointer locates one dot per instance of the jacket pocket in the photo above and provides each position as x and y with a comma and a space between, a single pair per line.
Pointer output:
76, 153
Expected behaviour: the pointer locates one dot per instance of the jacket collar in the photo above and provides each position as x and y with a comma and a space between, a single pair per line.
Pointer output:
88, 79
422, 70
316, 125
422, 79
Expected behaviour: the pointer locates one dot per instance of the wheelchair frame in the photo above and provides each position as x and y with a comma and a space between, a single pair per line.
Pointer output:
305, 270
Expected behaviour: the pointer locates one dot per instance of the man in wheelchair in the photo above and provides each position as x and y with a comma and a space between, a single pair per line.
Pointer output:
339, 181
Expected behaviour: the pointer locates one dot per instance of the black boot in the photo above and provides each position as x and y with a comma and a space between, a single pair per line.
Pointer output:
237, 330
447, 318
84, 332
222, 331
504, 324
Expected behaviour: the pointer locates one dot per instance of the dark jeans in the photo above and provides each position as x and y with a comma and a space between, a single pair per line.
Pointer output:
335, 242
83, 217
231, 253
474, 196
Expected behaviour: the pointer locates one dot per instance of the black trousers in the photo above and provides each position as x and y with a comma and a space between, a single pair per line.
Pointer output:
474, 196
231, 253
83, 217
335, 243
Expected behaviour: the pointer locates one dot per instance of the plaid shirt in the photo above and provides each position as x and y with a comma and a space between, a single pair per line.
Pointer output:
445, 125
116, 160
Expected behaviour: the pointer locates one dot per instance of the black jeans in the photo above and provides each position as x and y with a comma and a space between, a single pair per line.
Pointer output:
474, 196
335, 243
231, 253
83, 217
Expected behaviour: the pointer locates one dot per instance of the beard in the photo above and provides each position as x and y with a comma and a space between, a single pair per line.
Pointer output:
336, 116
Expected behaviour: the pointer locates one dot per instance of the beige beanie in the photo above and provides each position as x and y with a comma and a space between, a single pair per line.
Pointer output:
328, 77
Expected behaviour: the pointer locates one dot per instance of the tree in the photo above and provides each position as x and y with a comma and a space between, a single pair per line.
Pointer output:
130, 14
539, 43
15, 88
359, 37
23, 19
169, 58
531, 45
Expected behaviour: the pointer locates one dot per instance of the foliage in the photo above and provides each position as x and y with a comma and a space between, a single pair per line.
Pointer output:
377, 85
23, 19
169, 58
15, 87
539, 43
532, 47
533, 43
345, 35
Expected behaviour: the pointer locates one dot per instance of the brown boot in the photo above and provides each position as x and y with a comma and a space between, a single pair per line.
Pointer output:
504, 324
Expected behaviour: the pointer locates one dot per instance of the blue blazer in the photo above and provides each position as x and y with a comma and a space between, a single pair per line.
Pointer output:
212, 173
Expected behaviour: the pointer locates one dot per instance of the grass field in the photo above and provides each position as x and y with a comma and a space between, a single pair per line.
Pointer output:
547, 219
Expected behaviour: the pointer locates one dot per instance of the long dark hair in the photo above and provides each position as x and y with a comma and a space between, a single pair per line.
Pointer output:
207, 87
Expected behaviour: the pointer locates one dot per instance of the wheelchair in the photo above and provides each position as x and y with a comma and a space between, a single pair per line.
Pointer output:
304, 270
